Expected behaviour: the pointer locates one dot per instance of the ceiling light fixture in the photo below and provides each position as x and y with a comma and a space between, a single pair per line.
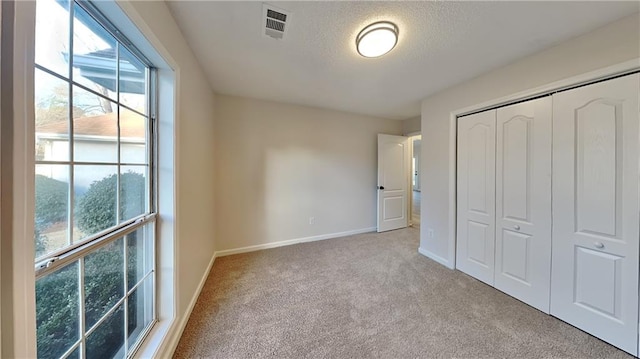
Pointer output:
377, 39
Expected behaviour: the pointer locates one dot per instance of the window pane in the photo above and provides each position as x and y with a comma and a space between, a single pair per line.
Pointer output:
74, 354
139, 254
139, 311
133, 135
107, 341
95, 128
57, 315
133, 191
132, 80
94, 55
95, 199
51, 208
52, 117
52, 35
103, 280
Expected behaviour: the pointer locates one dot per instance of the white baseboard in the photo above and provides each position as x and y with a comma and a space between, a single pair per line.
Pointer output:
289, 242
177, 330
445, 262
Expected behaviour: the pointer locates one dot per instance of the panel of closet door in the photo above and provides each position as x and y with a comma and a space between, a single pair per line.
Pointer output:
475, 244
504, 199
523, 201
595, 210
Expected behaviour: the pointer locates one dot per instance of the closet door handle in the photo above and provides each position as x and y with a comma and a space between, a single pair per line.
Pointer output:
598, 245
516, 227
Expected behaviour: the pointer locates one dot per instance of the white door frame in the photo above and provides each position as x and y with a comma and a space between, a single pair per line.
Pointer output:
410, 190
411, 135
621, 69
410, 184
416, 173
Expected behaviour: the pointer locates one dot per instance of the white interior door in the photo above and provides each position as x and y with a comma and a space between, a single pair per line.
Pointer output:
393, 182
476, 195
523, 201
595, 210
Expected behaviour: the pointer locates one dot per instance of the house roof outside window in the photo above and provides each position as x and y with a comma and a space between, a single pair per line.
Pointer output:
132, 127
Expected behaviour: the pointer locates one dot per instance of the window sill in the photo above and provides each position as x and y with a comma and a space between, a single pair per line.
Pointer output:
159, 341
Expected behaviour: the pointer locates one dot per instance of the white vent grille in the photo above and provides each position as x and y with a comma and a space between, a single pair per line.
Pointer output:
274, 21
275, 25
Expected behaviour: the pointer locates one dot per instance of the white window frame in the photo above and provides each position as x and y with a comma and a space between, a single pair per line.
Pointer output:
18, 334
78, 251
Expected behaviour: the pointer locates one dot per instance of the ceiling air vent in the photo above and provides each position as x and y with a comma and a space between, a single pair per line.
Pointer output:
274, 21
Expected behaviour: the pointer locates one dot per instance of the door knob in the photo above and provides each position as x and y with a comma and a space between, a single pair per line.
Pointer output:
380, 187
516, 227
598, 245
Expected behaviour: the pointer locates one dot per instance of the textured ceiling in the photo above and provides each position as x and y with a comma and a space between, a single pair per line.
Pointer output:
316, 64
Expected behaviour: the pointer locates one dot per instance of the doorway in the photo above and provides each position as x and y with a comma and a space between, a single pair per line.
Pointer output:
415, 179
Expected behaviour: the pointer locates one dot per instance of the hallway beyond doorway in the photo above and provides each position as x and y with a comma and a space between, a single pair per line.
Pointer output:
415, 210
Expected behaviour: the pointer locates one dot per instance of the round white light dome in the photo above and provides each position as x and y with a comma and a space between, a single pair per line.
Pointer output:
377, 39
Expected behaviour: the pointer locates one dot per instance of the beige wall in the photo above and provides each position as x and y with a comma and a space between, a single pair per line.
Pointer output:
277, 165
194, 150
612, 44
411, 126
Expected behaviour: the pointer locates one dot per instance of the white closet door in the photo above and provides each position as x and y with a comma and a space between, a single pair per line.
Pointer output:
595, 210
476, 195
523, 201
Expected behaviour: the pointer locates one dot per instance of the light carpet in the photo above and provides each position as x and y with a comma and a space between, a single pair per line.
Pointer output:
367, 296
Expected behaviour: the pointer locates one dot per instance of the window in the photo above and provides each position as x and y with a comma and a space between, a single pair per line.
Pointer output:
94, 186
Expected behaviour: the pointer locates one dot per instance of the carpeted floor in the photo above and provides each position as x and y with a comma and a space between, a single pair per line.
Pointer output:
367, 296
